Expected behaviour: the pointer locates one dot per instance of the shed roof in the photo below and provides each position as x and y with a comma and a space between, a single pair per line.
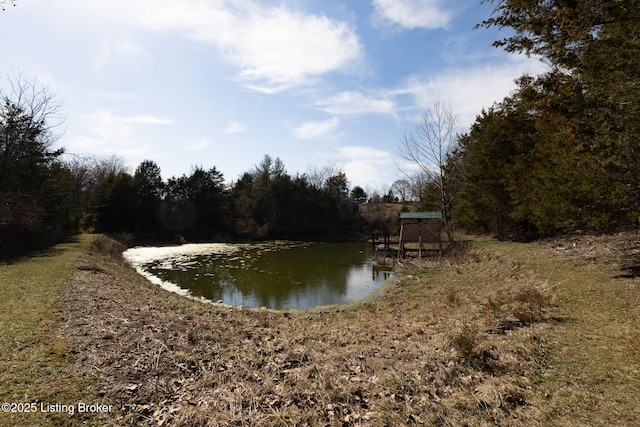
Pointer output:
421, 215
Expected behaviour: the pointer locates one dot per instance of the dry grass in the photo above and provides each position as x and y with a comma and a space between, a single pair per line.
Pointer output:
163, 359
505, 334
591, 376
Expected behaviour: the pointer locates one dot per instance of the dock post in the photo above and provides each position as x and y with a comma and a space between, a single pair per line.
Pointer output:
400, 243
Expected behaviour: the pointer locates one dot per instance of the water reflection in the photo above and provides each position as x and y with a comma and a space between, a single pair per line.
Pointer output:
277, 275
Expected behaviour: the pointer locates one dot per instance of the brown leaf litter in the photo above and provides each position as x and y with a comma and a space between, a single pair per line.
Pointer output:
161, 359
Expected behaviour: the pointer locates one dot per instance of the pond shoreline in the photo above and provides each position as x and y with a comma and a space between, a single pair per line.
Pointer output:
162, 358
444, 346
131, 240
278, 275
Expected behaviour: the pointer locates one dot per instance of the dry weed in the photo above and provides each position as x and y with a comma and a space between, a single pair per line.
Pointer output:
466, 340
105, 246
530, 303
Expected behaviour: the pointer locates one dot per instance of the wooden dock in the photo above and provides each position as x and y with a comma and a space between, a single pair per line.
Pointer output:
420, 232
394, 248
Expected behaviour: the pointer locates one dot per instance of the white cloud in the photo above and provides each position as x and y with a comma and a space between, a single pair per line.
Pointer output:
199, 144
316, 129
411, 14
368, 167
353, 102
144, 119
368, 153
104, 132
275, 48
282, 47
235, 127
114, 94
469, 90
125, 51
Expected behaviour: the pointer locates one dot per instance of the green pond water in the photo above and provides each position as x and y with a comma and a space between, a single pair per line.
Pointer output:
277, 275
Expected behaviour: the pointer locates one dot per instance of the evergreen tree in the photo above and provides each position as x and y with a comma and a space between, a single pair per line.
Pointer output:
560, 154
150, 191
32, 213
595, 46
358, 195
116, 209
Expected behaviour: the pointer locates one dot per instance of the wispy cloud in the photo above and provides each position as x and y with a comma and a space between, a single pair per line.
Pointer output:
372, 167
114, 94
316, 129
235, 127
354, 102
144, 119
105, 132
469, 90
199, 144
410, 14
124, 51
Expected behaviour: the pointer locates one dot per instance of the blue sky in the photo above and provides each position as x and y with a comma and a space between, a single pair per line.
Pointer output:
222, 83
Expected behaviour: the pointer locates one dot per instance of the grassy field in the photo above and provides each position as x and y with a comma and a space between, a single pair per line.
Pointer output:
501, 334
34, 365
593, 369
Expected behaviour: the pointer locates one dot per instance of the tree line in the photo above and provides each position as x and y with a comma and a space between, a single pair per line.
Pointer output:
265, 202
46, 195
561, 153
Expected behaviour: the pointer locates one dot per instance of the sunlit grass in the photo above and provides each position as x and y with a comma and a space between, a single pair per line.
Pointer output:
33, 366
593, 375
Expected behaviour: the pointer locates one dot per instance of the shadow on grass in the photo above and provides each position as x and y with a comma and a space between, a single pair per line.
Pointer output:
629, 272
42, 251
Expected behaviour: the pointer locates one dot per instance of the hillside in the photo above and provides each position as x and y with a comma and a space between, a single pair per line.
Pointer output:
385, 216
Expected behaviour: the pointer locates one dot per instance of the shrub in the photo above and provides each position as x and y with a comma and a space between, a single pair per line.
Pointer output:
524, 304
531, 303
465, 341
106, 246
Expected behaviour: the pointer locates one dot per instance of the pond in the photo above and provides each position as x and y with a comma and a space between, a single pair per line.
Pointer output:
276, 274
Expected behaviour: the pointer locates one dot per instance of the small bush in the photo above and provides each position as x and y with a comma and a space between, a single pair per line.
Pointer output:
531, 304
105, 246
524, 304
465, 341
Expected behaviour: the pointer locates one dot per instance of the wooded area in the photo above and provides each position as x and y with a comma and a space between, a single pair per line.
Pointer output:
46, 199
561, 153
46, 196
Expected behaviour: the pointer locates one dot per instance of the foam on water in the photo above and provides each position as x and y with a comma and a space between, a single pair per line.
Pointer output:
171, 256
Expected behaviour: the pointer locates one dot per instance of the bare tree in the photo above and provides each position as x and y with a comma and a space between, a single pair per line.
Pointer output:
29, 115
37, 103
429, 147
402, 189
318, 175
